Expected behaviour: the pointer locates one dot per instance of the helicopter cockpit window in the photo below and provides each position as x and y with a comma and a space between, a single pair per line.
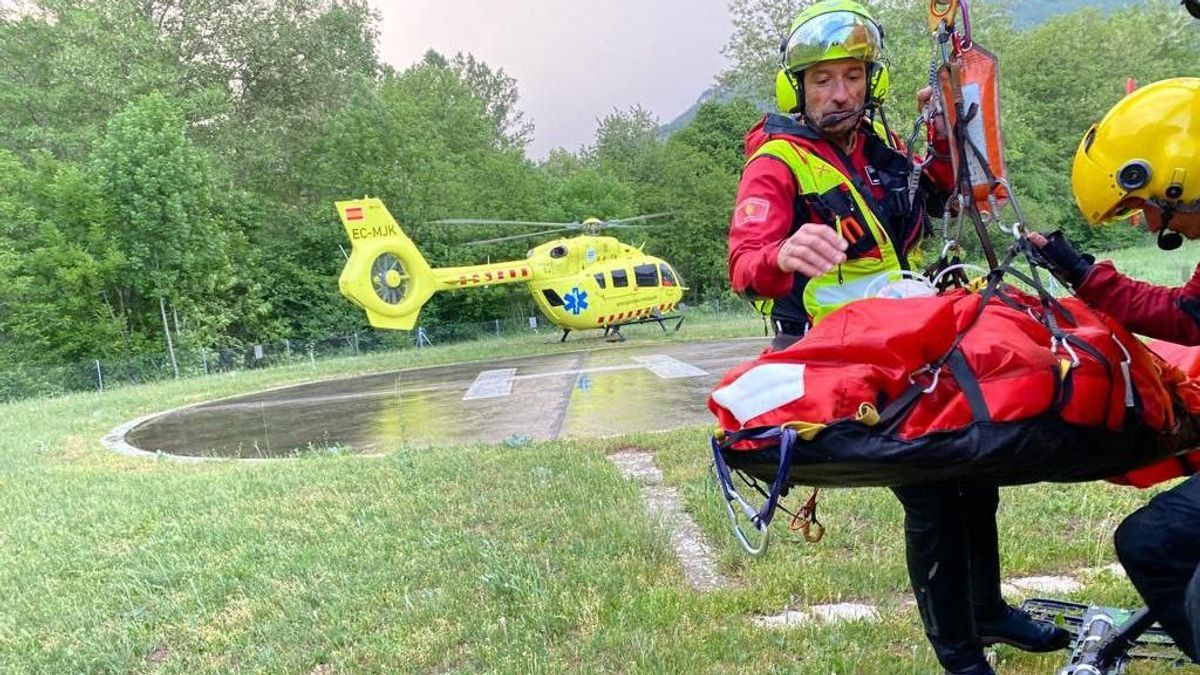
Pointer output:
558, 252
600, 280
620, 278
645, 275
668, 276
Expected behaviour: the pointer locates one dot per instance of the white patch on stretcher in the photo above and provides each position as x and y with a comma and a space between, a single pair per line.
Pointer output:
762, 389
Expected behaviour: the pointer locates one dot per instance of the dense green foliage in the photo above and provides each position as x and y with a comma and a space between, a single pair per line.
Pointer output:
171, 166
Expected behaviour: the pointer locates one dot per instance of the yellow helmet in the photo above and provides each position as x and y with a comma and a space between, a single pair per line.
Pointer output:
1146, 147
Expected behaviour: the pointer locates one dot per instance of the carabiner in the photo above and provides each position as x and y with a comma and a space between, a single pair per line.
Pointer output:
912, 377
1055, 343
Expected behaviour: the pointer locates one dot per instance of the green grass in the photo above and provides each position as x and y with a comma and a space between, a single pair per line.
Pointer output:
1170, 268
537, 558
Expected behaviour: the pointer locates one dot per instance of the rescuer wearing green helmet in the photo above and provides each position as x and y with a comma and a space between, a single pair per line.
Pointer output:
823, 215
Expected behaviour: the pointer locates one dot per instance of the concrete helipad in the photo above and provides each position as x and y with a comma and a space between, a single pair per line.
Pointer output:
598, 392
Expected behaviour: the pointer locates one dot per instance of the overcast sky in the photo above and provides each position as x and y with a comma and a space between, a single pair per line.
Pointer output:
574, 61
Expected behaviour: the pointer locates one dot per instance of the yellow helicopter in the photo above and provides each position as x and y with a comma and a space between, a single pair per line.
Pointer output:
581, 282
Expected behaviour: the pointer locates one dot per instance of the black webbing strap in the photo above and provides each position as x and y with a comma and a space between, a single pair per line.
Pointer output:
969, 384
965, 187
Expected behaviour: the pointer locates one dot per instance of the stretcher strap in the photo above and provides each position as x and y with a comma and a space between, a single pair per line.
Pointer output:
761, 517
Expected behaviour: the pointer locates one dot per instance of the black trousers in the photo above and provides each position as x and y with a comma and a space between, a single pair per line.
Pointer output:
953, 557
1159, 545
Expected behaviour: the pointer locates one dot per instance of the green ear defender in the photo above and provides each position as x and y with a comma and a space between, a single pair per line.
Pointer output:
878, 84
788, 91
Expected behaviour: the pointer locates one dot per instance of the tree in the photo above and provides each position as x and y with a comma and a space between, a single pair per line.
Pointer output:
499, 94
174, 253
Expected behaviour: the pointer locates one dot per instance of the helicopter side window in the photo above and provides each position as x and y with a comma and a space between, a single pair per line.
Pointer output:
552, 297
668, 277
558, 252
600, 280
620, 278
645, 275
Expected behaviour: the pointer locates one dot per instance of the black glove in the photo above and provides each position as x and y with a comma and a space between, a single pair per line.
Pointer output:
1058, 256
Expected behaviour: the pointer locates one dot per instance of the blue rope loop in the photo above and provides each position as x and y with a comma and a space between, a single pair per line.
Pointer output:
761, 517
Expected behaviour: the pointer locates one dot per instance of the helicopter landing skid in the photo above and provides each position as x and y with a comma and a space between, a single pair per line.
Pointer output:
1105, 639
615, 330
613, 333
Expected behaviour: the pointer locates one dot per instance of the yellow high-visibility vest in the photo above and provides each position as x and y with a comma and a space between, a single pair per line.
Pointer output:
854, 278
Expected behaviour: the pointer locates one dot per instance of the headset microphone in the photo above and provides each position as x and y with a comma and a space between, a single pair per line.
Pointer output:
835, 118
1169, 241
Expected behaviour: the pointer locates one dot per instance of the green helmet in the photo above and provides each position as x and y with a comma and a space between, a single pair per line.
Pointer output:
826, 31
829, 30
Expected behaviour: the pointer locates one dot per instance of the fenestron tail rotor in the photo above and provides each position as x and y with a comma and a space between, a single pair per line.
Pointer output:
389, 278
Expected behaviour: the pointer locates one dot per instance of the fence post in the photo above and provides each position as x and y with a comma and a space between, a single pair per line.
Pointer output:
204, 357
99, 376
497, 327
356, 343
287, 348
312, 355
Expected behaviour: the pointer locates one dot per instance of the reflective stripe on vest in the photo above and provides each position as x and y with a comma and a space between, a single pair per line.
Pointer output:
825, 293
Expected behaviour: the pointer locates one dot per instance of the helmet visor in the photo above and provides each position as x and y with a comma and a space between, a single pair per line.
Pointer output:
836, 35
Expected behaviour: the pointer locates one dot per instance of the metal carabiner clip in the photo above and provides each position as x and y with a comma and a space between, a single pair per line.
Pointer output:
912, 377
1055, 343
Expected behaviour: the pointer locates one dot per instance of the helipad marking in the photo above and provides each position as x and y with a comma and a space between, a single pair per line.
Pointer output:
661, 365
578, 371
491, 384
669, 368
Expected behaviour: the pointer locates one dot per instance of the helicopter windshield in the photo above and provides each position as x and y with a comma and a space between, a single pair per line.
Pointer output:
668, 275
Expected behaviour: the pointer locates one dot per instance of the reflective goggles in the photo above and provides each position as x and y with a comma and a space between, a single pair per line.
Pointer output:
835, 35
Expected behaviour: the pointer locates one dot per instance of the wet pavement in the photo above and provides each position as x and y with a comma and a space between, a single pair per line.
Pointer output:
601, 392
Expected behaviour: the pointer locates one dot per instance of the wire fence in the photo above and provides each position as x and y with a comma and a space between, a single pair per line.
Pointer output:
109, 373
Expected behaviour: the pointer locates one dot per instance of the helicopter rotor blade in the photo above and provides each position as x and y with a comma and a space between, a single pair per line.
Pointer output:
486, 221
622, 221
514, 237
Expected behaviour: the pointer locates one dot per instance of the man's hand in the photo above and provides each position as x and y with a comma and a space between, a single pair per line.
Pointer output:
1069, 265
924, 96
813, 250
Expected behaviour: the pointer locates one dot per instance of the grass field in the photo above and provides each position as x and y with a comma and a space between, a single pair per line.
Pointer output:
537, 558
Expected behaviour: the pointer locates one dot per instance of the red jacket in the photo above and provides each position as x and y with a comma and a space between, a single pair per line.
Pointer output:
1171, 314
767, 210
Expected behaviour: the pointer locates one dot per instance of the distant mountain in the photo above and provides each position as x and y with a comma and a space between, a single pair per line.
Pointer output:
714, 93
1026, 14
